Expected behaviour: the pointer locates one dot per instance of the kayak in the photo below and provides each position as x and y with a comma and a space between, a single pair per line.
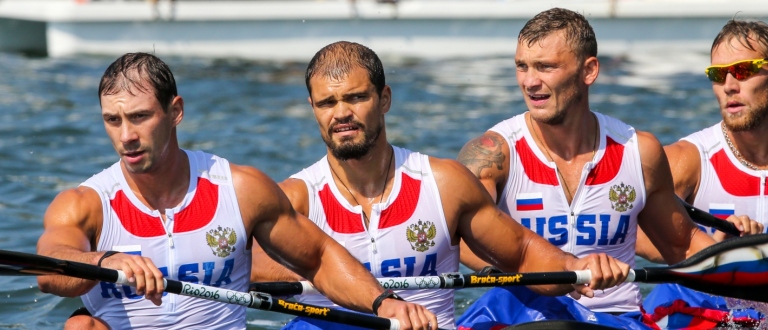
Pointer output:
668, 306
504, 306
671, 306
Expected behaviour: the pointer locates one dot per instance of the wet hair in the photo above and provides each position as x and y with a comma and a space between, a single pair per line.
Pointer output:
338, 59
578, 33
751, 34
135, 70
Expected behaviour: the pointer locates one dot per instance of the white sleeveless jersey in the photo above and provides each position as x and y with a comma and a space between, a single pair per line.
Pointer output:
603, 214
407, 234
203, 241
726, 186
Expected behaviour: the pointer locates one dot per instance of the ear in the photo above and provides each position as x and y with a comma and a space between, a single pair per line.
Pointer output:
590, 69
176, 110
385, 100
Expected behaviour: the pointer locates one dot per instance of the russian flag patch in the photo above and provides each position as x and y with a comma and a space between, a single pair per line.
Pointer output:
530, 202
721, 211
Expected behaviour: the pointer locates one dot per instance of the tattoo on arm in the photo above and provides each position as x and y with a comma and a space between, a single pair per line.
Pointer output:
483, 152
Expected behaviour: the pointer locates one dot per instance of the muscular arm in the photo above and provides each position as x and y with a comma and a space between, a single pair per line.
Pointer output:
70, 226
487, 157
296, 243
664, 222
685, 164
494, 236
264, 268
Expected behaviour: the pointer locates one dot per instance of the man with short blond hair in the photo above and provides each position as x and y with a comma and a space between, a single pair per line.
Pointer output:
580, 179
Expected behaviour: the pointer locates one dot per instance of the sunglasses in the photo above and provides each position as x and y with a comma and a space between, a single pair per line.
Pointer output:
740, 70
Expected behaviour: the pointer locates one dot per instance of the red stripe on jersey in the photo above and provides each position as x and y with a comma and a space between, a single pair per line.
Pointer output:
608, 166
733, 180
534, 168
339, 218
134, 220
404, 205
196, 215
201, 210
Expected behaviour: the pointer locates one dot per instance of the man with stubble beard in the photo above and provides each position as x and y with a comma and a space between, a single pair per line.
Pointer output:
399, 212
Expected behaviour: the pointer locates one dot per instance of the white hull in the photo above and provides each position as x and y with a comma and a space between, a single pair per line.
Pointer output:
295, 30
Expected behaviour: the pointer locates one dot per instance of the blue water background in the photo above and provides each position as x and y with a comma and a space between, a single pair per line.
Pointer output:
256, 113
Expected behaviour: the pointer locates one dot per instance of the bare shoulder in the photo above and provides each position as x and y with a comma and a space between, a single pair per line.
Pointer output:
449, 169
250, 179
79, 207
685, 164
656, 171
486, 155
651, 152
258, 195
683, 153
297, 193
455, 181
74, 219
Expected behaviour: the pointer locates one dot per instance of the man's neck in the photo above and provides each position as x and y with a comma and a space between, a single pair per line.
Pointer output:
577, 134
365, 175
166, 186
753, 144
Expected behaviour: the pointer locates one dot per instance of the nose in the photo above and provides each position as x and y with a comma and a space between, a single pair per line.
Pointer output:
342, 111
127, 133
528, 79
731, 84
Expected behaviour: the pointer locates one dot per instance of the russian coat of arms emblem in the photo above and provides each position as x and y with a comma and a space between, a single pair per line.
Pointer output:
421, 235
222, 241
622, 196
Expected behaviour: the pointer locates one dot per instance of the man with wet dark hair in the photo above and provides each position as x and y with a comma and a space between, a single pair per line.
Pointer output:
162, 211
131, 70
399, 212
580, 179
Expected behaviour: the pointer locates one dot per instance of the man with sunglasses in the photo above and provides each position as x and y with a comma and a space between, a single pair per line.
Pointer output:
582, 180
721, 169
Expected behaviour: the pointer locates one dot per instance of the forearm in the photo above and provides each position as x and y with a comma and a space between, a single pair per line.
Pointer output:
345, 281
555, 264
470, 259
540, 256
265, 269
67, 286
645, 248
699, 241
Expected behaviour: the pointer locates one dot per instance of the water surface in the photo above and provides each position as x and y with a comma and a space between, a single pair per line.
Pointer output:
256, 113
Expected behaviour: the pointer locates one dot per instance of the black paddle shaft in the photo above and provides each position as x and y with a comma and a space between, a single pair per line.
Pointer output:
18, 263
706, 219
697, 271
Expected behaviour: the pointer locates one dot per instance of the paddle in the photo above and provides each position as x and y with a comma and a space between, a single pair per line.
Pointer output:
18, 263
706, 219
735, 268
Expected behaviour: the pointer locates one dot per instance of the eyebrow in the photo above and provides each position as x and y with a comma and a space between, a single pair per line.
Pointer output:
126, 112
325, 100
363, 93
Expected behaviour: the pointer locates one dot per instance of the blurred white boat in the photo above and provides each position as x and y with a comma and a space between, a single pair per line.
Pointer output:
296, 29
